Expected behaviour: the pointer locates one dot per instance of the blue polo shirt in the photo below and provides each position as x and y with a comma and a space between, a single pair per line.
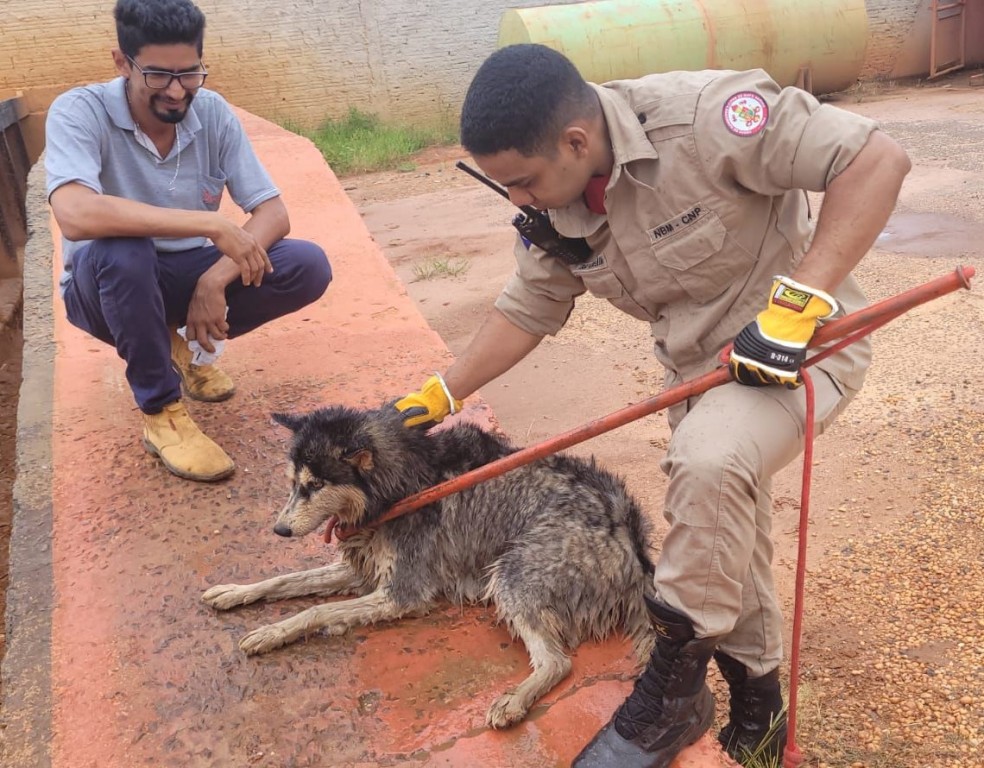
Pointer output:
92, 139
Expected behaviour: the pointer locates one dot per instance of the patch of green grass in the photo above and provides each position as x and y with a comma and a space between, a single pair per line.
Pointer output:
361, 142
760, 758
446, 266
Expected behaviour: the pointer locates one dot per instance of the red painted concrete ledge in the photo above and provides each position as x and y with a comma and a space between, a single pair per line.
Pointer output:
113, 662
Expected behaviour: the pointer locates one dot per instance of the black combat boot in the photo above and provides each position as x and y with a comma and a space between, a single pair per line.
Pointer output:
756, 703
670, 706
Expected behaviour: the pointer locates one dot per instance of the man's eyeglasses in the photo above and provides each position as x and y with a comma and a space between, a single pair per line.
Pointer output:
159, 79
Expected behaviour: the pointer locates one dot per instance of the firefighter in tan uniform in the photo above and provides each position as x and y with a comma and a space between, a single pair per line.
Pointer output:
689, 188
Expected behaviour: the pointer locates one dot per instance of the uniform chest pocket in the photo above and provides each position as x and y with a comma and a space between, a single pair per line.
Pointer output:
211, 188
702, 258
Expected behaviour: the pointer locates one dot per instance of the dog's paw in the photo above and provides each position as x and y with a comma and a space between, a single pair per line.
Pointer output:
225, 596
507, 710
263, 639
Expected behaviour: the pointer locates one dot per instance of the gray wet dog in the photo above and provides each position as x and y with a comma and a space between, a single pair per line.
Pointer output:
559, 546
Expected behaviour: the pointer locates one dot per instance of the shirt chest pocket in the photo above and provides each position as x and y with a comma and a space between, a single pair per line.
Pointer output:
211, 188
702, 258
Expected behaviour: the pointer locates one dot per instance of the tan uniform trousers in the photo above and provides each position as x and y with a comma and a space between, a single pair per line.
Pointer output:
716, 561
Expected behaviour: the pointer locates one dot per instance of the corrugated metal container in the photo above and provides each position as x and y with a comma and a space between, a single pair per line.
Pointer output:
614, 39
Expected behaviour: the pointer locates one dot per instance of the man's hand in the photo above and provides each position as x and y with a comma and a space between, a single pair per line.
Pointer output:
207, 313
430, 405
771, 349
244, 249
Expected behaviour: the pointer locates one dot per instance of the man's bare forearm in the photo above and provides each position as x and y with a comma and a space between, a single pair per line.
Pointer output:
83, 214
268, 222
856, 207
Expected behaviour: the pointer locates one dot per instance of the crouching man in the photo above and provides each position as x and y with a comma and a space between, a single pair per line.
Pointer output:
136, 168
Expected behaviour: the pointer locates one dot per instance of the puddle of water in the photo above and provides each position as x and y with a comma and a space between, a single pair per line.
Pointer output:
932, 234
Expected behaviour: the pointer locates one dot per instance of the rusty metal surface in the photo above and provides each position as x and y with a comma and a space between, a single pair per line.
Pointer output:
819, 41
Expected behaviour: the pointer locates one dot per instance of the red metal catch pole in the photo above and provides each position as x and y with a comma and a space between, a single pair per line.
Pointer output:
577, 435
894, 306
856, 322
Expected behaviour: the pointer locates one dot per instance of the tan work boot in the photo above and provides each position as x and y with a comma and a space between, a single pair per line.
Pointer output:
201, 382
172, 436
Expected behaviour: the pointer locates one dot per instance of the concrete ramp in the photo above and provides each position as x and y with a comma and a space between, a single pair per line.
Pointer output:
112, 660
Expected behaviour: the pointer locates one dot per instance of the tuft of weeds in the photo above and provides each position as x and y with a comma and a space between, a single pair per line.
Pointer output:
759, 758
440, 266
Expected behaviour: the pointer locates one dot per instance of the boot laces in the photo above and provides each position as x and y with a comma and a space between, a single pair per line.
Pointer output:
754, 709
644, 706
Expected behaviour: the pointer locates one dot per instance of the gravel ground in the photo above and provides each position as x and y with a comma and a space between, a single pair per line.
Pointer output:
907, 688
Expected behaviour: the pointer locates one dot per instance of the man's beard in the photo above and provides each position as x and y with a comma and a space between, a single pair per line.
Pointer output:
171, 116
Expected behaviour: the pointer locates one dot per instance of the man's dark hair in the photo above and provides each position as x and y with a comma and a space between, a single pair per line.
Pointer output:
158, 22
522, 98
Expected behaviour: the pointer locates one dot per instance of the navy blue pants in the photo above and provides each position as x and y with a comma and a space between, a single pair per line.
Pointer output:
127, 294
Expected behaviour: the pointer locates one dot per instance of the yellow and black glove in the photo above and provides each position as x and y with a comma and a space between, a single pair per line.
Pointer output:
428, 406
771, 349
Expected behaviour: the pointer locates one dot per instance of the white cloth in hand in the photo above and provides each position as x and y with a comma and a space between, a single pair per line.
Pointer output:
200, 356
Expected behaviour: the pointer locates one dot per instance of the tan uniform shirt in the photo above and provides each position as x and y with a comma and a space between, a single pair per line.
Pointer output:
705, 205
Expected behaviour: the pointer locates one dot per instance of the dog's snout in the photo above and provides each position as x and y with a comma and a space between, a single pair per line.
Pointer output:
281, 529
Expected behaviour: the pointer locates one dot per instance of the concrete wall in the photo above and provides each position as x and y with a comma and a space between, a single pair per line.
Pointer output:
306, 59
889, 25
302, 59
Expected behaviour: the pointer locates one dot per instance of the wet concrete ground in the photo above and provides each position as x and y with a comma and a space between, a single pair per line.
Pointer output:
113, 661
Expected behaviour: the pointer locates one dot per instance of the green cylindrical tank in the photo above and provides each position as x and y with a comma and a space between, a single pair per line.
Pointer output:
614, 39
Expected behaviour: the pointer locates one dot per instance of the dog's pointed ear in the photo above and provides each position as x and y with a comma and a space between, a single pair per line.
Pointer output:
360, 459
289, 420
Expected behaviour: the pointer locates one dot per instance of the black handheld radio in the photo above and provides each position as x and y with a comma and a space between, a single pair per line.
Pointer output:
535, 226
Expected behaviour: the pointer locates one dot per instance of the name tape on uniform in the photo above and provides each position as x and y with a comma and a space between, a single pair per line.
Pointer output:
680, 221
596, 263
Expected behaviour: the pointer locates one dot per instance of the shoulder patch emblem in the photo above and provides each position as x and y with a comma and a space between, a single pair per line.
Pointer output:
745, 113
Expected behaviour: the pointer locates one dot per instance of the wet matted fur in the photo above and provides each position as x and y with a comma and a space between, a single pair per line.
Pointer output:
559, 546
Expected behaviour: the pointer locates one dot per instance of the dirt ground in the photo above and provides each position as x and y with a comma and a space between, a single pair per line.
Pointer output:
892, 668
10, 375
892, 671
